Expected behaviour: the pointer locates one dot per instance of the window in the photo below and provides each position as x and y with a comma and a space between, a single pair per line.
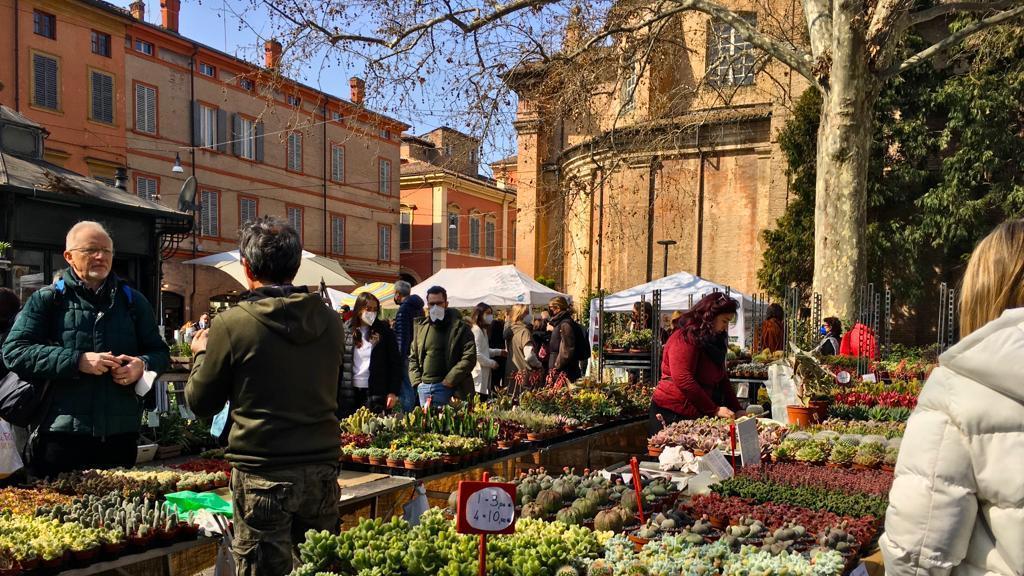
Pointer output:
730, 57
295, 218
474, 235
144, 47
384, 243
405, 230
453, 230
207, 126
337, 234
147, 188
145, 108
209, 216
245, 138
384, 176
207, 69
247, 208
246, 84
294, 100
101, 43
337, 116
101, 88
295, 152
337, 163
385, 134
45, 82
627, 99
44, 24
489, 227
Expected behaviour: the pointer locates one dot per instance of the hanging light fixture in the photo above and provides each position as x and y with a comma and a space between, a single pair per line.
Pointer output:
177, 169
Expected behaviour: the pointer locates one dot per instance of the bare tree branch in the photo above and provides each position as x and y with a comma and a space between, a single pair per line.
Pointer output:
954, 39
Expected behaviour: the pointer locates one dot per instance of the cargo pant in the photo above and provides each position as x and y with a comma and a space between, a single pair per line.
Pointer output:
274, 509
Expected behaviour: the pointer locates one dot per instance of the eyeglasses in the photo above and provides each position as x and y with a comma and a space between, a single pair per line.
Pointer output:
90, 252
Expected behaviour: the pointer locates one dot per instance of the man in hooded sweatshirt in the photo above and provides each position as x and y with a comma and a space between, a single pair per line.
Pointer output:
275, 357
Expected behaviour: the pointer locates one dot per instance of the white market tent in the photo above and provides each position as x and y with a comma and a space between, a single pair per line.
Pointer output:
498, 286
677, 293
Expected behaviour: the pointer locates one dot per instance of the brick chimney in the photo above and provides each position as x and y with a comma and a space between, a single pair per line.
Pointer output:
272, 53
169, 11
358, 90
138, 10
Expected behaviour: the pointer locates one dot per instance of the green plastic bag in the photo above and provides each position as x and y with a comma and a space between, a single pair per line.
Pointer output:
188, 501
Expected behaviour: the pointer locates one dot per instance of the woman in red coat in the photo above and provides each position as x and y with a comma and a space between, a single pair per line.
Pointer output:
694, 379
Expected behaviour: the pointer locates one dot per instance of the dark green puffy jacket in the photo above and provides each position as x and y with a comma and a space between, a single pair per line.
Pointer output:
52, 332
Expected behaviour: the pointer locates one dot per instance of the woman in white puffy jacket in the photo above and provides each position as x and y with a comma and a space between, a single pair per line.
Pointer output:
482, 318
957, 503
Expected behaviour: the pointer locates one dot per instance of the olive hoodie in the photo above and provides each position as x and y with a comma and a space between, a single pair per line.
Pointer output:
275, 356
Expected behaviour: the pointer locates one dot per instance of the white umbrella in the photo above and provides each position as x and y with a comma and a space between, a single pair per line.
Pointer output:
312, 270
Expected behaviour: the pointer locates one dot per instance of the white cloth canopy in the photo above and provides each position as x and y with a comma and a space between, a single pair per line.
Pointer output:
678, 291
498, 286
312, 269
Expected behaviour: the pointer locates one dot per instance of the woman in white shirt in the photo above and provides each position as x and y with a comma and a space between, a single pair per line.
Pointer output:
481, 320
372, 372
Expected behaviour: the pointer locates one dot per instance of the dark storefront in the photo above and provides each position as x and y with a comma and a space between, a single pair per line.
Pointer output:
39, 202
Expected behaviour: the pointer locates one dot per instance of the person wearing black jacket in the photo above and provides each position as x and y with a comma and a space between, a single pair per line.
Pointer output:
372, 373
562, 346
9, 306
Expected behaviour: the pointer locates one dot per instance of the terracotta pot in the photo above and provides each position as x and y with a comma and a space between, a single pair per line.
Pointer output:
450, 459
638, 542
345, 457
719, 522
359, 459
820, 410
801, 416
698, 452
534, 437
393, 463
888, 468
376, 460
655, 451
414, 465
503, 445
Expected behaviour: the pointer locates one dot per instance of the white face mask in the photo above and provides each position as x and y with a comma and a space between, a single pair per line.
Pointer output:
369, 318
488, 318
436, 313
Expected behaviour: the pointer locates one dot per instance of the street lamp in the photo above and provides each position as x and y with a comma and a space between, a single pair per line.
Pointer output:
666, 244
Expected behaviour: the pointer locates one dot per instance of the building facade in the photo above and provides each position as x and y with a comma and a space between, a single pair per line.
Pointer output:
255, 142
679, 145
451, 217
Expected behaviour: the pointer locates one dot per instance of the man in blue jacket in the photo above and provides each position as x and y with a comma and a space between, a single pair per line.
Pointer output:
92, 336
410, 307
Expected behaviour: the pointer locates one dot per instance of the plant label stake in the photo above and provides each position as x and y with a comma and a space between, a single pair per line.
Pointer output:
750, 442
634, 465
485, 508
732, 442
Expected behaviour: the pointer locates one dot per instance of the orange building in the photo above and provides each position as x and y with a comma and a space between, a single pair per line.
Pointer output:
451, 216
63, 67
117, 89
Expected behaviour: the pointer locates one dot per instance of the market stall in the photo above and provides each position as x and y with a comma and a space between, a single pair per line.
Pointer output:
498, 286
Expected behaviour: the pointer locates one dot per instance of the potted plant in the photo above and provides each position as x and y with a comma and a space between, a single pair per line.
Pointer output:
5, 263
813, 383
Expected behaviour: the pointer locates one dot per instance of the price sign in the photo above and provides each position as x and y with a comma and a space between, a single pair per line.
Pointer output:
716, 463
750, 442
486, 508
869, 377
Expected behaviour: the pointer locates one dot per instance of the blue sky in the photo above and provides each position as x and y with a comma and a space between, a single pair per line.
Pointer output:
217, 23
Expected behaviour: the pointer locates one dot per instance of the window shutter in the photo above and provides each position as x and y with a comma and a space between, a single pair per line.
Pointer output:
45, 90
107, 97
236, 134
140, 108
222, 130
39, 63
259, 141
151, 110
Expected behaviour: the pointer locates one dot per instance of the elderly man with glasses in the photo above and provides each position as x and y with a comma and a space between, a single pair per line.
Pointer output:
92, 337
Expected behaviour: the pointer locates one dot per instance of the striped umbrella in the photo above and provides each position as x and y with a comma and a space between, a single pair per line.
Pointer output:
384, 291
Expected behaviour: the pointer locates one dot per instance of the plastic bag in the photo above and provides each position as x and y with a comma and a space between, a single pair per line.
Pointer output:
10, 459
219, 421
781, 390
188, 501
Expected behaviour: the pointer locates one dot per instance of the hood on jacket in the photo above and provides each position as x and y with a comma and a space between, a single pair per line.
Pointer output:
292, 313
990, 355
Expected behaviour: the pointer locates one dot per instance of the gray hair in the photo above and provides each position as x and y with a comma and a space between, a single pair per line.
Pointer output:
272, 248
403, 288
83, 225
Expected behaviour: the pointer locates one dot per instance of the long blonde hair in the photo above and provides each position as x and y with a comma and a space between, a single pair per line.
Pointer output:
994, 279
517, 312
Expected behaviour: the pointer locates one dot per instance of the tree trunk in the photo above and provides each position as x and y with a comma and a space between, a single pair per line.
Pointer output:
844, 143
